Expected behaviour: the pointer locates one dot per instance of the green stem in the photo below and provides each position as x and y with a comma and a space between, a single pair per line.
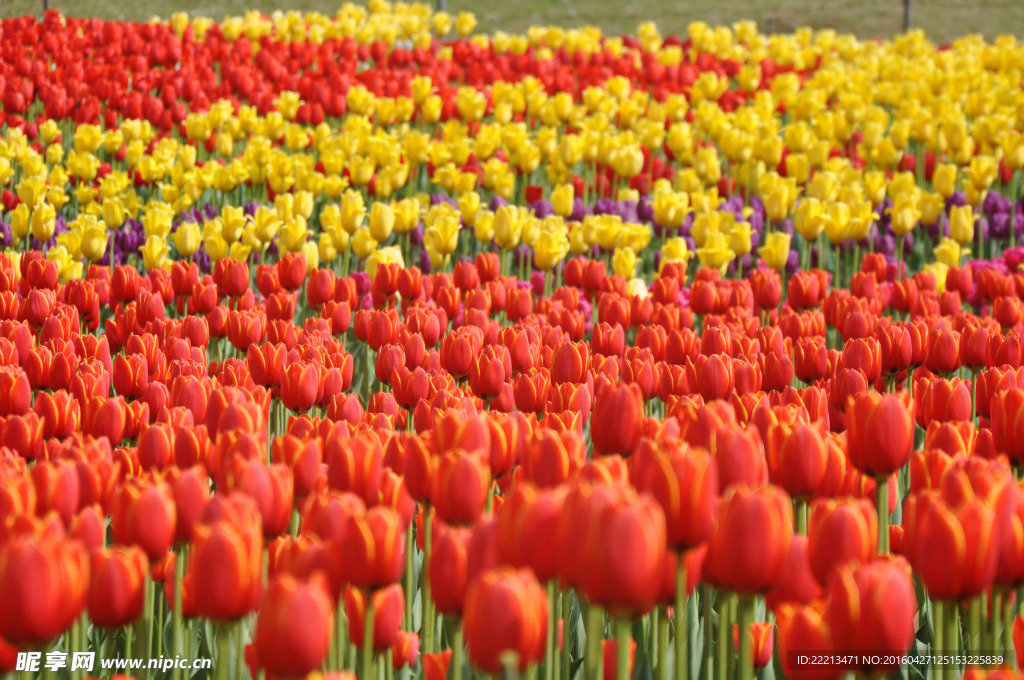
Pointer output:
722, 643
882, 507
457, 652
223, 651
938, 635
974, 394
549, 643
952, 635
409, 545
566, 650
801, 517
682, 640
974, 623
1007, 641
179, 575
427, 618
142, 640
339, 636
624, 630
709, 659
746, 657
367, 657
653, 651
595, 633
663, 644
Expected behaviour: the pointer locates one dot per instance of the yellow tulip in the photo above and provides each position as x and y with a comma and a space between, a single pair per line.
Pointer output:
624, 262
982, 171
21, 221
775, 251
233, 219
363, 243
325, 246
32, 191
44, 221
948, 252
293, 233
674, 250
739, 238
837, 226
1013, 150
382, 221
186, 238
961, 224
508, 228
443, 235
862, 216
944, 179
932, 206
94, 240
469, 207
670, 209
551, 248
388, 255
154, 253
810, 219
716, 254
562, 199
483, 226
311, 254
265, 224
905, 214
824, 186
353, 211
798, 167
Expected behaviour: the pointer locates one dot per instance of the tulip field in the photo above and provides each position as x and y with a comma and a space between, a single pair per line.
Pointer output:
369, 346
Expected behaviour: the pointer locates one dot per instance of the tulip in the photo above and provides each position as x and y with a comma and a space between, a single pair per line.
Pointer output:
965, 534
225, 569
840, 533
374, 545
505, 611
749, 551
686, 487
805, 628
145, 515
387, 605
44, 583
447, 570
860, 596
294, 626
625, 581
617, 416
1007, 409
797, 459
117, 586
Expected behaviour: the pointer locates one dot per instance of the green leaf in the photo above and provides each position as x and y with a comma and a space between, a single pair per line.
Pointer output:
642, 667
696, 630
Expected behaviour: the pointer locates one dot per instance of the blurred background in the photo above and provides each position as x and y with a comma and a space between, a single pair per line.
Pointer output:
942, 20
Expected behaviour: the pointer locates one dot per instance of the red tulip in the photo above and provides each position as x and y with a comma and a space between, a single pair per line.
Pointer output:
505, 611
117, 586
388, 608
294, 626
880, 432
840, 533
750, 548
